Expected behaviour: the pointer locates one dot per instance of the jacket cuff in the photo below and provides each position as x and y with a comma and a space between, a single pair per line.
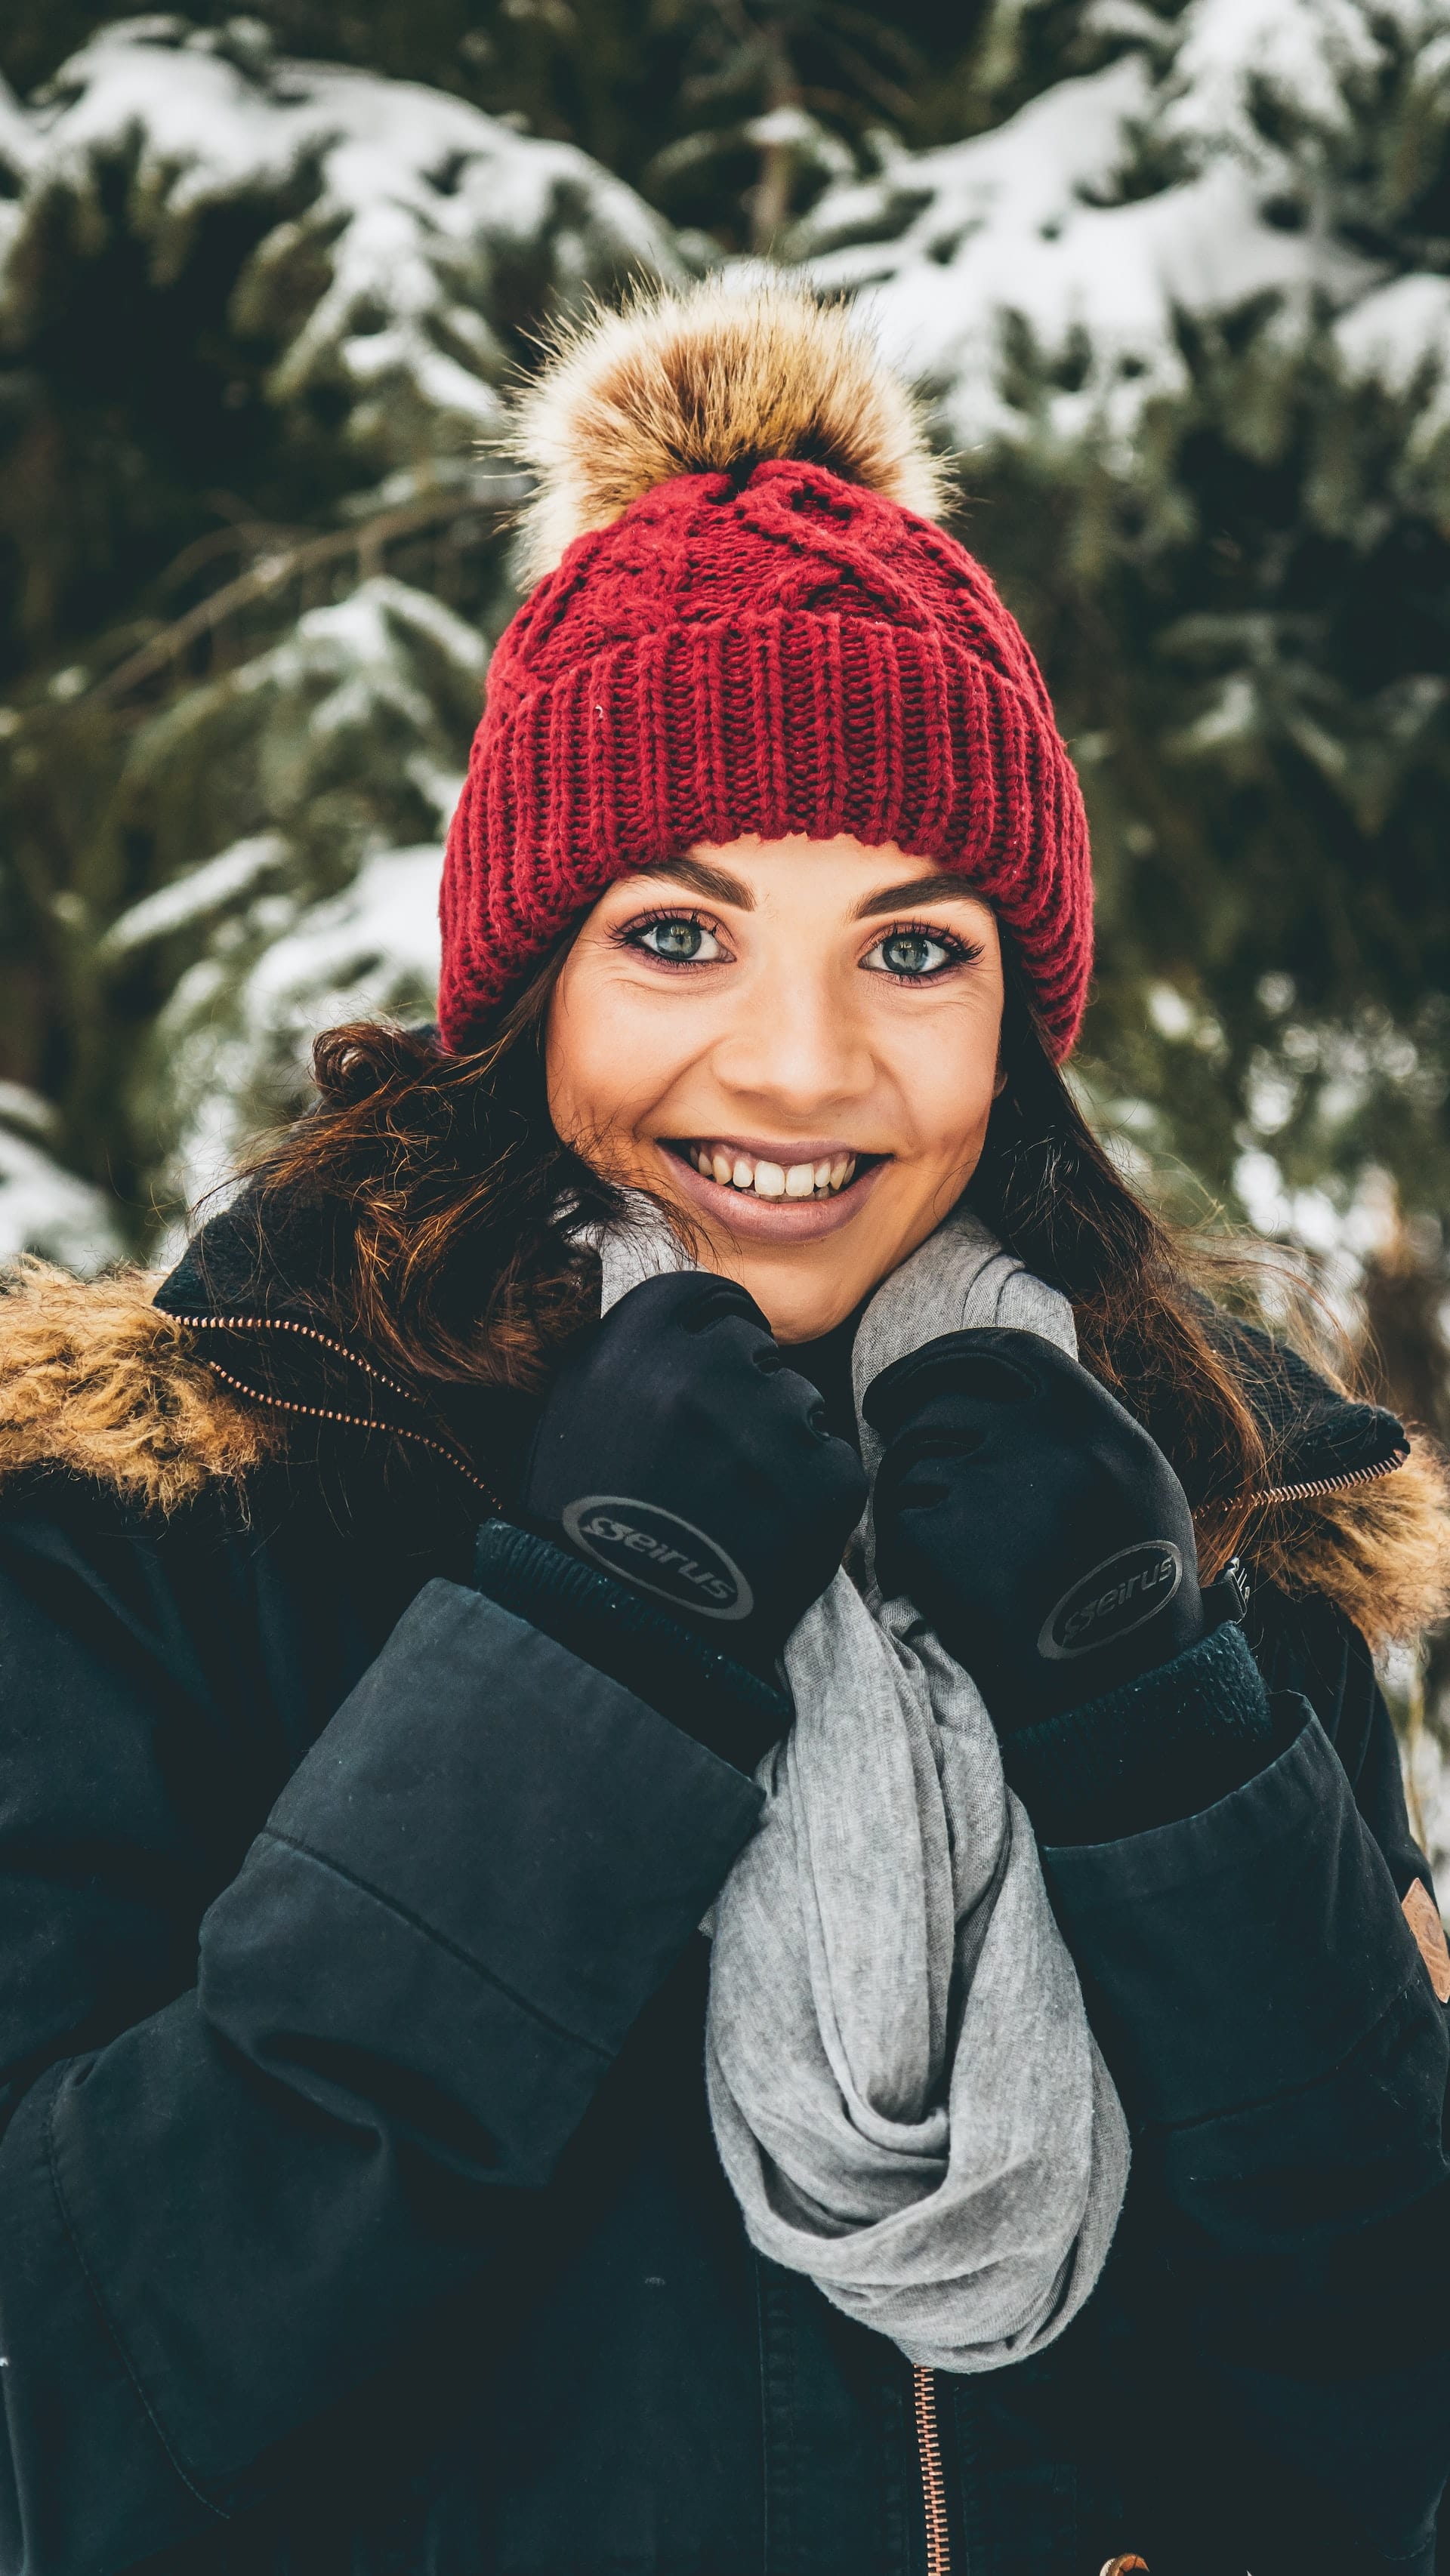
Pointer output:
530, 1844
725, 1707
1160, 1748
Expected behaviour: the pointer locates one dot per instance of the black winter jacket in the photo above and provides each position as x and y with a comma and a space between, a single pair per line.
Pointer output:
358, 2206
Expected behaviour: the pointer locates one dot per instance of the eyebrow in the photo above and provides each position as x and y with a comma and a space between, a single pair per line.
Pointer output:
938, 888
698, 877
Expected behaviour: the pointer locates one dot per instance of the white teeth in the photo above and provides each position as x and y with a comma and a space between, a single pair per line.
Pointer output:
731, 1169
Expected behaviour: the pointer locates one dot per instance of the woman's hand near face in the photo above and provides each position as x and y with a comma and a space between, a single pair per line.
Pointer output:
680, 1454
1032, 1521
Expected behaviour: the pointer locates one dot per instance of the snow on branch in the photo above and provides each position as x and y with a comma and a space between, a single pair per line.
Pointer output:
395, 217
1240, 160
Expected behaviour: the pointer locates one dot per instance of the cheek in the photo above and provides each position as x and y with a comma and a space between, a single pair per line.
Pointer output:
947, 1081
582, 1059
605, 1060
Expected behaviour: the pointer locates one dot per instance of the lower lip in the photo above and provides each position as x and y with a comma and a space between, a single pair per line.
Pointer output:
756, 1220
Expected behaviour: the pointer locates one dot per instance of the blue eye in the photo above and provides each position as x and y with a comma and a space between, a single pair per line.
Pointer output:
678, 940
914, 956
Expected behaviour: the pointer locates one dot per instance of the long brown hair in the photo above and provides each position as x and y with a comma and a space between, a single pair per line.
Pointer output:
447, 1180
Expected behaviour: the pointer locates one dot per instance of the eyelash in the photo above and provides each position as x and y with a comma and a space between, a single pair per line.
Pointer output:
960, 952
632, 935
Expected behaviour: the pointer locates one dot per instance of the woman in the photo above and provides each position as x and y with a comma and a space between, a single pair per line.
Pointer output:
403, 1658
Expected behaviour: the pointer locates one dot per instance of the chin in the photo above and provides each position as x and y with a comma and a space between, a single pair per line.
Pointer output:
806, 1293
808, 1323
801, 1309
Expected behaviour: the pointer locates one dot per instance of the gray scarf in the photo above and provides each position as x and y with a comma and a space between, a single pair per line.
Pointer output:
905, 2093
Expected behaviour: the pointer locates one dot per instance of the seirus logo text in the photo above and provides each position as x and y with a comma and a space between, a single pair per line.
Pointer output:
660, 1553
1118, 1596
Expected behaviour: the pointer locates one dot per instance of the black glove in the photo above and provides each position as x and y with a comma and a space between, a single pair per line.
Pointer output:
679, 1453
1032, 1521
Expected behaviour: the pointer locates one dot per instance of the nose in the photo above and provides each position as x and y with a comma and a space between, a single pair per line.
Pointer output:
796, 1046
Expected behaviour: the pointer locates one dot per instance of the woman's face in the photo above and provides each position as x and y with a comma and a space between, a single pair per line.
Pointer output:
795, 1042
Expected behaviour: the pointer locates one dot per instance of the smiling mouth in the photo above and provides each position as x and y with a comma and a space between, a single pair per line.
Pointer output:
773, 1178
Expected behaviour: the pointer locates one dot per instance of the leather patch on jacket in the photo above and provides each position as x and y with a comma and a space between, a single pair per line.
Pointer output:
1421, 1914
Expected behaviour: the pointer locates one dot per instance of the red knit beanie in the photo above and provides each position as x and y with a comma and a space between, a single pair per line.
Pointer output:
747, 623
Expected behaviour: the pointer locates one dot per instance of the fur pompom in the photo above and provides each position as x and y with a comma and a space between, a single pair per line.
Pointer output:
712, 381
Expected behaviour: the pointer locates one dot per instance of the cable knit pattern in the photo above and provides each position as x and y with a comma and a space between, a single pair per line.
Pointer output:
774, 652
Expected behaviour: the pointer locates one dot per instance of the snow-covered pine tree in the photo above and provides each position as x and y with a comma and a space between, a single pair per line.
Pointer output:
257, 315
1185, 305
1184, 302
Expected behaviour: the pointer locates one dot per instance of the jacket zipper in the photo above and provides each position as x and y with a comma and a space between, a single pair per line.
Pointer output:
1272, 1494
329, 1412
934, 2493
933, 2484
1334, 1484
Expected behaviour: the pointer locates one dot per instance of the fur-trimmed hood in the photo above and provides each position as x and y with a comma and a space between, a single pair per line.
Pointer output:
97, 1382
115, 1383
